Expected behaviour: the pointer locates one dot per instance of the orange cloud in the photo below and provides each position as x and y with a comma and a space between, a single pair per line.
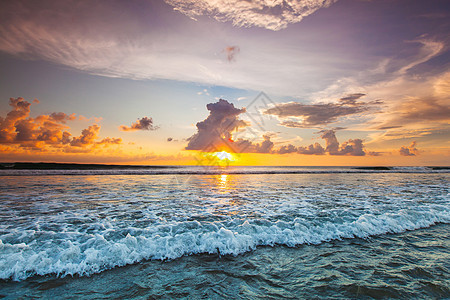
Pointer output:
45, 132
409, 151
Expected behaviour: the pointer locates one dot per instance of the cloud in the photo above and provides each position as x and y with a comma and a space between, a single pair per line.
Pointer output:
409, 151
412, 98
419, 110
246, 146
204, 92
62, 117
19, 128
141, 124
21, 110
110, 141
374, 153
352, 147
423, 113
287, 149
315, 149
87, 137
163, 44
231, 52
273, 15
45, 132
352, 98
215, 132
266, 146
314, 115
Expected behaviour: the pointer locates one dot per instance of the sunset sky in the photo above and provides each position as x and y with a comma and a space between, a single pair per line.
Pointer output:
317, 82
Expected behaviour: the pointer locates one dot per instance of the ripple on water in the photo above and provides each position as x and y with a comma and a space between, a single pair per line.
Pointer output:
90, 224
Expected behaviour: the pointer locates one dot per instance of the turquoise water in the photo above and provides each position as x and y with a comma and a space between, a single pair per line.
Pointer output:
309, 234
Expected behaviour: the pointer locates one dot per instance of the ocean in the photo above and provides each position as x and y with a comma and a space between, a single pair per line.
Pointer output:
235, 232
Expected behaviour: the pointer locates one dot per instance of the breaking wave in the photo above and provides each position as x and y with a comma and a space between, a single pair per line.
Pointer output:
103, 247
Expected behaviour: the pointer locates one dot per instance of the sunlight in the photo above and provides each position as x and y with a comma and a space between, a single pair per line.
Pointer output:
223, 179
223, 184
223, 155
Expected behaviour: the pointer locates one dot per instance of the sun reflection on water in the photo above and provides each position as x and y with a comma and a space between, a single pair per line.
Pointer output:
223, 181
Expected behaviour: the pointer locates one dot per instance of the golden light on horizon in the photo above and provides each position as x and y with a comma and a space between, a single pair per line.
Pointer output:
223, 156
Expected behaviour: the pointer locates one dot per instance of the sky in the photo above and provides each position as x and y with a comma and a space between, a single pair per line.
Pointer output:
159, 82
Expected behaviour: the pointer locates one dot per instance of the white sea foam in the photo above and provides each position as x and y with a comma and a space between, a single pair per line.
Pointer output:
70, 225
86, 254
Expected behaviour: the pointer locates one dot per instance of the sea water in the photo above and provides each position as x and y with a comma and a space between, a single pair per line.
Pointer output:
242, 232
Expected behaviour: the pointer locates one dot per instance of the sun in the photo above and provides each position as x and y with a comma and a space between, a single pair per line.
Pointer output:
223, 156
219, 159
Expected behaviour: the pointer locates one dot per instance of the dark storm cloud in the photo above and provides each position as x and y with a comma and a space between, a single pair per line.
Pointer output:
145, 123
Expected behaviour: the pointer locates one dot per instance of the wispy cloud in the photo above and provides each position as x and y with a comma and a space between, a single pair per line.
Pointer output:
171, 46
413, 105
320, 114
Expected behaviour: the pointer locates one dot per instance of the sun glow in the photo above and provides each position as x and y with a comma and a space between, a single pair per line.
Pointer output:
223, 156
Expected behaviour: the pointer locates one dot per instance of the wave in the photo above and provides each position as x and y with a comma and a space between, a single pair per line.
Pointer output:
76, 253
212, 170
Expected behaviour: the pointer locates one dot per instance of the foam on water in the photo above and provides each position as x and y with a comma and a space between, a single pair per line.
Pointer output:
214, 170
85, 254
82, 227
